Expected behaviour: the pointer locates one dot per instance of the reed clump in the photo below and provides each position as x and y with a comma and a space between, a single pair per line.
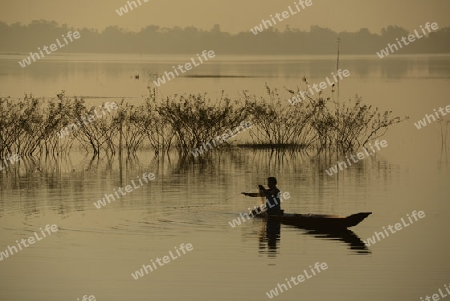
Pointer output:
182, 122
278, 125
195, 119
342, 126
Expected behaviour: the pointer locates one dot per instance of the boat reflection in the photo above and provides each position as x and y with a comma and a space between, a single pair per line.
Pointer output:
347, 236
270, 237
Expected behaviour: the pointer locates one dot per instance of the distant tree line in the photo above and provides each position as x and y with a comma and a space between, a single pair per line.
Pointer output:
158, 40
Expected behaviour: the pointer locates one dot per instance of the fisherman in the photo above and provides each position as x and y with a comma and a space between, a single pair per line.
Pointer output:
272, 195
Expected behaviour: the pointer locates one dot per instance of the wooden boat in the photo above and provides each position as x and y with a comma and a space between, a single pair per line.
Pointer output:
315, 221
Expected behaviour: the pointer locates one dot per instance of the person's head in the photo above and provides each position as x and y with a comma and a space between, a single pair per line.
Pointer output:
271, 182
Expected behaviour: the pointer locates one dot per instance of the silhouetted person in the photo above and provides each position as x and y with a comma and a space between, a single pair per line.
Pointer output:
272, 195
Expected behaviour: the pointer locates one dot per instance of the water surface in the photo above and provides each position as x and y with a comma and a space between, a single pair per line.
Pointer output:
96, 250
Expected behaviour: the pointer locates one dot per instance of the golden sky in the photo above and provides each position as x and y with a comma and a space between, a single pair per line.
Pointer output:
232, 15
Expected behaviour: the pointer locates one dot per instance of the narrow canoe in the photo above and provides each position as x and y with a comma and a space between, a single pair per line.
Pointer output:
316, 221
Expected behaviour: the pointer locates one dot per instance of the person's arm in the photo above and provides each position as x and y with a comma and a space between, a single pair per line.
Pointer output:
251, 194
262, 192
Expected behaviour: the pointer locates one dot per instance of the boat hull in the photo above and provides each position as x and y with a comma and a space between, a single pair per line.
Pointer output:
316, 221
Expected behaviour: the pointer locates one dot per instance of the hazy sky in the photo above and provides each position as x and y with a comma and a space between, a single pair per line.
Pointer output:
232, 15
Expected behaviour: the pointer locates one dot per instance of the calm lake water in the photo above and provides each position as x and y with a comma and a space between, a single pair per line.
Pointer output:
95, 251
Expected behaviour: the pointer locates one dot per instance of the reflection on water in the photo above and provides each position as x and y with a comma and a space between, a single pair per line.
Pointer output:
73, 182
192, 202
349, 237
94, 76
270, 238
